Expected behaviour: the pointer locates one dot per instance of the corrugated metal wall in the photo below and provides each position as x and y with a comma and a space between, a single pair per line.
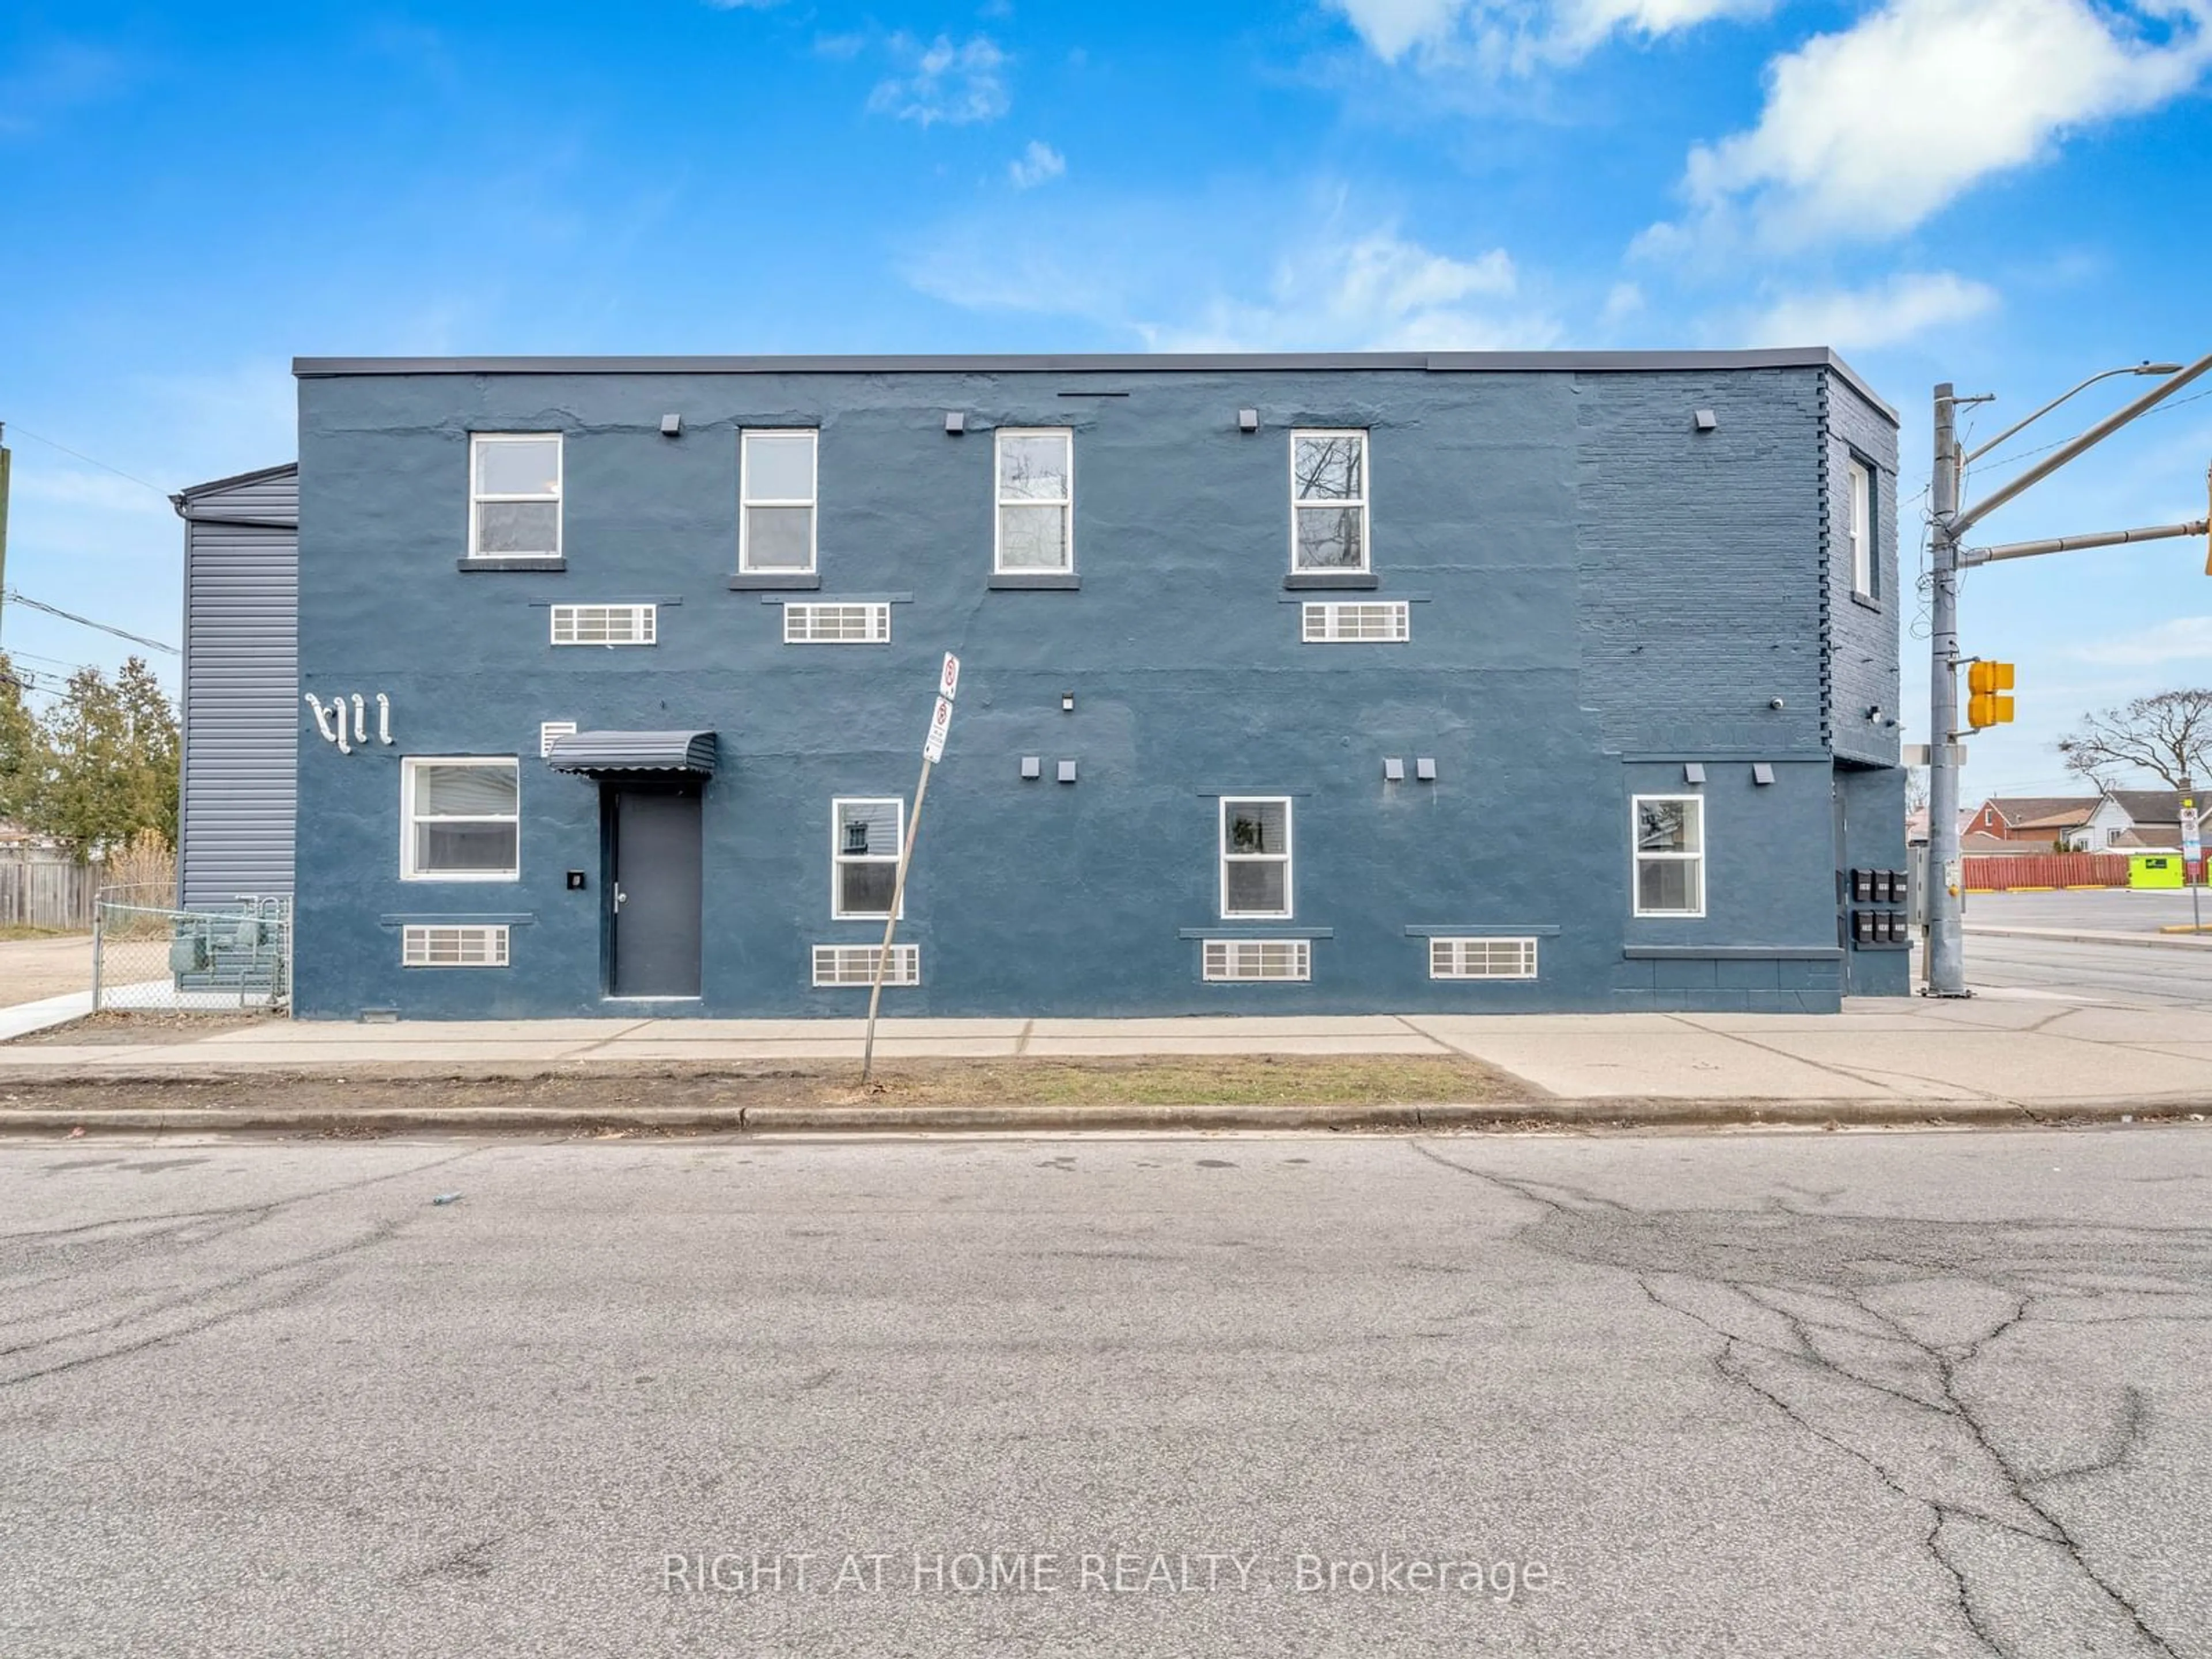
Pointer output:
241, 713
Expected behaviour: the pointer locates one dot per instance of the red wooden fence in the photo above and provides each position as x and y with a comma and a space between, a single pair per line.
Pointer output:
2003, 872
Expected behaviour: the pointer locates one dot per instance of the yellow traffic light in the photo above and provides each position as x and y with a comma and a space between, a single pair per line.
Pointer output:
1985, 705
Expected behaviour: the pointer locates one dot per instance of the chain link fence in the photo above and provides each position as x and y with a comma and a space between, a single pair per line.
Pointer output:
149, 955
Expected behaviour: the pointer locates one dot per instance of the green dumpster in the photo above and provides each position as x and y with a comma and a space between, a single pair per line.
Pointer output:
2155, 869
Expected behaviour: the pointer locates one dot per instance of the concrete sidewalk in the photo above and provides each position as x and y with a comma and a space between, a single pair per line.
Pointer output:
2021, 1049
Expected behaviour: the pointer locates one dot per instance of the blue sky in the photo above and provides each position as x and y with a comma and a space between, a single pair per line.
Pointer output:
2010, 194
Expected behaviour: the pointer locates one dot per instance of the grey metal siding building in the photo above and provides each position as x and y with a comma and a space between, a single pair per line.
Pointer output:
241, 713
1481, 682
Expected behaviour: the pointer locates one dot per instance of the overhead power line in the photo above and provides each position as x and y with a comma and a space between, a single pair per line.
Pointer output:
13, 598
88, 459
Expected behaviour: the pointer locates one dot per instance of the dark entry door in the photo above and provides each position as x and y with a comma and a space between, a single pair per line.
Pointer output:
652, 900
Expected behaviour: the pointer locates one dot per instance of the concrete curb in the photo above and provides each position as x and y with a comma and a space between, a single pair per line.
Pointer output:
1620, 1113
2062, 936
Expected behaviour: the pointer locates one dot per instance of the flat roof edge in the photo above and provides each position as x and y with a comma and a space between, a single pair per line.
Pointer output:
1495, 363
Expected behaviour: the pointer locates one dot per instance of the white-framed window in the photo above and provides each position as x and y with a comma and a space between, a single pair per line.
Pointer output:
1280, 959
1858, 528
1255, 856
1669, 839
776, 480
837, 622
1328, 500
1036, 491
606, 624
514, 494
1482, 957
460, 818
453, 947
864, 838
1371, 622
855, 964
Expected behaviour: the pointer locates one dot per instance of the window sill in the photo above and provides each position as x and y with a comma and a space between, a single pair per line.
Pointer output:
517, 561
1868, 600
1731, 953
768, 581
1298, 580
1036, 580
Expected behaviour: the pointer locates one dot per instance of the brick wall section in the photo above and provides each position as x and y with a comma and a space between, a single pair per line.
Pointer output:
1863, 639
1694, 619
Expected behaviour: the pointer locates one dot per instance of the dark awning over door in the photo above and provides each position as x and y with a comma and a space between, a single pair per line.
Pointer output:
633, 751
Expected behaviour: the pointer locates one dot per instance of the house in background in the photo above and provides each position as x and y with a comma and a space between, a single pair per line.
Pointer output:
2042, 823
2114, 821
611, 675
2154, 820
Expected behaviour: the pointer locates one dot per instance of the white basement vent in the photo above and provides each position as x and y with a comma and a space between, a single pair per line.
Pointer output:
1332, 621
1259, 958
453, 947
551, 733
1482, 958
606, 624
831, 624
855, 964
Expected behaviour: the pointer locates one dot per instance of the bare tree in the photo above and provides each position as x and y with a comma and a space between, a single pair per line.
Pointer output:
2169, 735
1916, 790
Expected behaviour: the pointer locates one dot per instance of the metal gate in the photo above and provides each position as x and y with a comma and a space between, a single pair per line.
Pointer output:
210, 959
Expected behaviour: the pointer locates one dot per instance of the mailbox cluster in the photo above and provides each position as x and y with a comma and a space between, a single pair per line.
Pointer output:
1878, 926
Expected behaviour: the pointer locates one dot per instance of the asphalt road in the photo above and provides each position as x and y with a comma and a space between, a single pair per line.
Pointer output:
2137, 975
1866, 1392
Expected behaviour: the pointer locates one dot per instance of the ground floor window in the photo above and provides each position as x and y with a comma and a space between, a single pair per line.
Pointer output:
866, 837
1669, 832
1255, 857
460, 819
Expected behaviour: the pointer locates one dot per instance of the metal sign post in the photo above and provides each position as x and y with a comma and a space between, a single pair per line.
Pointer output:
933, 750
2192, 856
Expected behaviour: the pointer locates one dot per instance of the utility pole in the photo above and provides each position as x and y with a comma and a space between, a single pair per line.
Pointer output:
1947, 946
1950, 521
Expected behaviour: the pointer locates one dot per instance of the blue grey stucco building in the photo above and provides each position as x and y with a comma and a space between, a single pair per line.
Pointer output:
1290, 684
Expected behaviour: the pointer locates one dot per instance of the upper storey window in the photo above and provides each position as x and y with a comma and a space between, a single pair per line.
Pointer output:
1859, 491
1328, 500
777, 483
514, 494
1036, 500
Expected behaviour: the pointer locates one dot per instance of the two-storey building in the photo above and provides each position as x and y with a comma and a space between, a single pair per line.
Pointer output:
1291, 684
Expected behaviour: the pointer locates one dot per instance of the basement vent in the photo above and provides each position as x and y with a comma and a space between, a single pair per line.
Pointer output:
1482, 958
606, 624
836, 624
855, 964
1259, 959
1383, 622
453, 947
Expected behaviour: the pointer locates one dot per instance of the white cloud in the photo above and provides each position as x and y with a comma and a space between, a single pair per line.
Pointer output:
1392, 27
942, 81
1858, 318
1039, 164
1623, 301
2181, 639
1233, 273
1868, 131
1371, 291
1518, 34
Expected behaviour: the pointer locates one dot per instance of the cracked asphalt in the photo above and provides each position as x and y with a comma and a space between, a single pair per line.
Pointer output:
1846, 1394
